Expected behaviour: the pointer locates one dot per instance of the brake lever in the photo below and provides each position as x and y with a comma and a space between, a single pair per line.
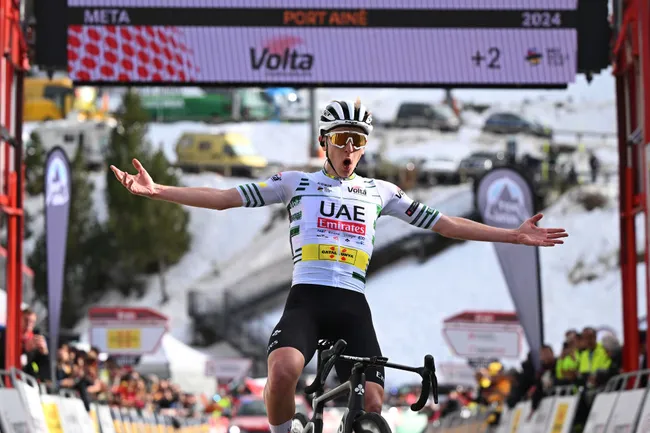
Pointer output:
329, 356
424, 395
426, 372
336, 350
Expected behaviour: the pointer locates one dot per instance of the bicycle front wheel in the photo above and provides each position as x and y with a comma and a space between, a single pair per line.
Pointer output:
371, 422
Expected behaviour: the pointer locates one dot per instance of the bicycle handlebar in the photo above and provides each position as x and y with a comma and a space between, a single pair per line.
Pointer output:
329, 357
429, 384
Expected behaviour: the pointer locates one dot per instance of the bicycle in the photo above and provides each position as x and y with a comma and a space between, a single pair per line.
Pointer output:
355, 418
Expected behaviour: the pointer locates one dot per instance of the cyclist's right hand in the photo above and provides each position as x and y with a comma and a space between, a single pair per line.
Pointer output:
138, 184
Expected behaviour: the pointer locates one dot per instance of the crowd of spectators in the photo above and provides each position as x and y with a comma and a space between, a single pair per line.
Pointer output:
97, 380
107, 382
584, 362
584, 366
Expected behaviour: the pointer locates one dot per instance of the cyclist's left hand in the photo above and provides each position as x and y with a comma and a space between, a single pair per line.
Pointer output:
529, 234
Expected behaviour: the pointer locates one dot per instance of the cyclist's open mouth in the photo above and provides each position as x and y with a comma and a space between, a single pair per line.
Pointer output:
347, 162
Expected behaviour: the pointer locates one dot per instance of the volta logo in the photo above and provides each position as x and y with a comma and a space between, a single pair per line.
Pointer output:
280, 55
357, 190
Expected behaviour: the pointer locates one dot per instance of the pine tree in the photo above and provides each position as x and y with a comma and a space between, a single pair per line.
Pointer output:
83, 258
29, 221
126, 218
149, 235
34, 164
165, 218
34, 171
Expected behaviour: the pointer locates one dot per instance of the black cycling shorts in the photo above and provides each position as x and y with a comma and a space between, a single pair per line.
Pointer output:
314, 312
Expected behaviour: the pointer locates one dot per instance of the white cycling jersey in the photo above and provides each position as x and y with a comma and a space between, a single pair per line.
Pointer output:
332, 221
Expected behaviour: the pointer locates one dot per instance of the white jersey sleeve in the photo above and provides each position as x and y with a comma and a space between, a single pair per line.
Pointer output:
396, 203
276, 189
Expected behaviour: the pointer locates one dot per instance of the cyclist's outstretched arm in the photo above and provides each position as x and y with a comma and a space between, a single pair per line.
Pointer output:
398, 204
210, 198
526, 234
466, 229
143, 185
254, 194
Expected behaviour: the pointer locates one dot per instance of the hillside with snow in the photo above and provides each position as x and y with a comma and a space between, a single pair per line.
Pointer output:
427, 292
580, 282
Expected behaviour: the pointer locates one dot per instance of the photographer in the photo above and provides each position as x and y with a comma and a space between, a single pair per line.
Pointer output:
35, 352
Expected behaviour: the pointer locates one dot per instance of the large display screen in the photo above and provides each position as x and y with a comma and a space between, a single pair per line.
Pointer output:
501, 43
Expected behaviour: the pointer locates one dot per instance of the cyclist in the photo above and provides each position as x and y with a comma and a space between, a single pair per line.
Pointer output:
332, 226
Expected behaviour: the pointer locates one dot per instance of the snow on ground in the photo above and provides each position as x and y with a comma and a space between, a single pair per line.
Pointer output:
216, 238
221, 236
277, 142
385, 102
468, 277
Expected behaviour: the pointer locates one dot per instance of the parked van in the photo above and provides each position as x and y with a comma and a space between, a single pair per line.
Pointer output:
69, 134
229, 153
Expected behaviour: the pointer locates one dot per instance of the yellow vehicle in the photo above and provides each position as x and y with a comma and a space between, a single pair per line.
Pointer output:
47, 99
229, 153
55, 99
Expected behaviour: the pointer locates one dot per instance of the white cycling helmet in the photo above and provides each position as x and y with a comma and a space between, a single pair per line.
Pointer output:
345, 113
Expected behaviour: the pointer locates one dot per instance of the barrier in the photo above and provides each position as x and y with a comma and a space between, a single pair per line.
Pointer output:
117, 420
74, 415
13, 416
94, 418
504, 423
601, 409
50, 404
627, 408
540, 418
29, 392
521, 418
105, 420
554, 414
563, 409
26, 408
616, 409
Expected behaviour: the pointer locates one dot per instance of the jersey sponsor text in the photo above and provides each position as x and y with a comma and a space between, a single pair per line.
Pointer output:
356, 215
342, 226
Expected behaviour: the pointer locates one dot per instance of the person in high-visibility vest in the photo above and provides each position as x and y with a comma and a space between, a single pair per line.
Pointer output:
566, 369
593, 359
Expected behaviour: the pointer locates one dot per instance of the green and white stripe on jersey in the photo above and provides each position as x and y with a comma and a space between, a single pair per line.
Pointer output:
252, 196
424, 215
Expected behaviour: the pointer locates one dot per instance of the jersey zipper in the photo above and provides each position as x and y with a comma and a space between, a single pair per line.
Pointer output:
339, 246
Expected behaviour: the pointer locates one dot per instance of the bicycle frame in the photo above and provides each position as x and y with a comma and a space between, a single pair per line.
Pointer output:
355, 386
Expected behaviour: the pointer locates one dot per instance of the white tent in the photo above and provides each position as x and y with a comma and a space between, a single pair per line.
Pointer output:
184, 365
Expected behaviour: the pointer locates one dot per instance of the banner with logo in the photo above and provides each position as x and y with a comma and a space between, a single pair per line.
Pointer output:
58, 187
505, 199
289, 42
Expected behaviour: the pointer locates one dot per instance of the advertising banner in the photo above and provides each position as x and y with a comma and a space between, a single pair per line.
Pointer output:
505, 199
58, 187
